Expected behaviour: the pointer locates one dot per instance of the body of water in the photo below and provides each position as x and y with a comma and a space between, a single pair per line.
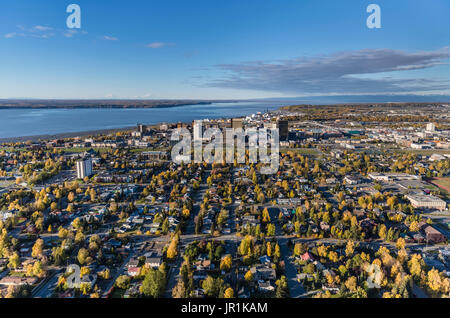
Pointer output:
32, 122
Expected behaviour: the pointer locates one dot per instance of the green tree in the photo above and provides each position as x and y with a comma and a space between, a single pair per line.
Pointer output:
14, 261
83, 256
122, 281
212, 286
154, 283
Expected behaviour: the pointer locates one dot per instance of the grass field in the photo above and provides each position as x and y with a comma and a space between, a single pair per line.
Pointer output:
301, 151
426, 152
443, 182
138, 150
11, 149
78, 150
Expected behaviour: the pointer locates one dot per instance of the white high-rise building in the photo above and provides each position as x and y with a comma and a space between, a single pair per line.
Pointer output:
198, 130
431, 127
84, 168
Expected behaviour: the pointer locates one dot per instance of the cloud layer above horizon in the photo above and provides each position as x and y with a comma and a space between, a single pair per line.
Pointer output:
351, 72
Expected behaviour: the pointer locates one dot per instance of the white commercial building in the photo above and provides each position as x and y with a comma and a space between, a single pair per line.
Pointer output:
390, 177
426, 201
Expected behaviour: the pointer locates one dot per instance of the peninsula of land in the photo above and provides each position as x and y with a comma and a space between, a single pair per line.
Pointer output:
101, 103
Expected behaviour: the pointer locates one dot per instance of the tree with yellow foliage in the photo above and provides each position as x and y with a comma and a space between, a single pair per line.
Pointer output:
14, 260
402, 255
351, 283
330, 279
265, 215
77, 224
277, 252
186, 213
333, 256
382, 231
70, 208
229, 293
38, 248
53, 206
414, 226
84, 270
172, 250
299, 249
349, 248
416, 265
93, 195
322, 251
85, 288
437, 282
248, 276
400, 243
269, 249
226, 262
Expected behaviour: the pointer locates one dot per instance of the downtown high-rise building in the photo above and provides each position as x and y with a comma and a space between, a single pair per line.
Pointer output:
237, 123
431, 127
197, 127
283, 127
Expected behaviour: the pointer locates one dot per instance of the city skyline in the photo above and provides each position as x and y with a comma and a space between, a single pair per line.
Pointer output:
232, 50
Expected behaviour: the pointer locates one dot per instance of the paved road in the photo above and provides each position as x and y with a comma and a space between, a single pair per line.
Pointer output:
45, 289
187, 238
418, 292
295, 288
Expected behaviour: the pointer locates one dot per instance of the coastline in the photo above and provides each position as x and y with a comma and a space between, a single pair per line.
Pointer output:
117, 104
89, 132
85, 133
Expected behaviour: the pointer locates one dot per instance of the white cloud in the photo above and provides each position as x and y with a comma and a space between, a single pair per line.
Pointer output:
42, 28
157, 45
110, 38
38, 31
350, 72
145, 96
43, 32
13, 35
70, 33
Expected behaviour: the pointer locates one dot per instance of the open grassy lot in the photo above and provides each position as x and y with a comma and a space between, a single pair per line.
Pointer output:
138, 150
11, 149
79, 150
425, 152
443, 182
302, 151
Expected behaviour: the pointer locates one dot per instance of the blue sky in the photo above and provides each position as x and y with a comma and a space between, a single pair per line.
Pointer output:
216, 49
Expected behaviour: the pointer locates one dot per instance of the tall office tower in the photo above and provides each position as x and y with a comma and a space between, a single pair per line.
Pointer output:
431, 127
181, 125
283, 126
237, 123
84, 168
198, 129
141, 128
